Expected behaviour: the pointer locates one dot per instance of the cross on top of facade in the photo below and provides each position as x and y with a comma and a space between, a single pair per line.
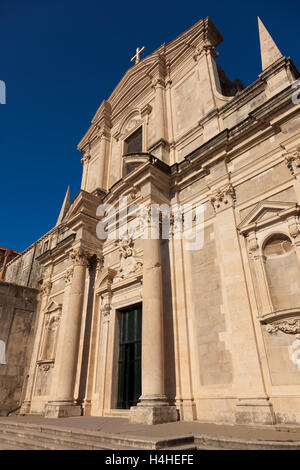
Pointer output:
136, 57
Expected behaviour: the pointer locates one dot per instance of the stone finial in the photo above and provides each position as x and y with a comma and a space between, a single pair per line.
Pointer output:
268, 49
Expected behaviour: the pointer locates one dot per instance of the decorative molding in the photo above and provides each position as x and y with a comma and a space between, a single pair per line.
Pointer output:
291, 326
52, 322
86, 157
278, 211
80, 257
105, 310
46, 287
146, 110
252, 243
129, 263
292, 160
223, 198
68, 276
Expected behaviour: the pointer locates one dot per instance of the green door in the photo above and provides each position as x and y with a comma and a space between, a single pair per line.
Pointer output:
129, 387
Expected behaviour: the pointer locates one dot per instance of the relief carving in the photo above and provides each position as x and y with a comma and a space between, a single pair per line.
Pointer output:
46, 287
291, 326
129, 263
223, 198
105, 310
292, 160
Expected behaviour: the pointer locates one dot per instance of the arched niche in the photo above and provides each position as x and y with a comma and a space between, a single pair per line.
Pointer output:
282, 271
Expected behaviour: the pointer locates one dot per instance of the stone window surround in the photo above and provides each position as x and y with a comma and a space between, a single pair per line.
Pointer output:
285, 222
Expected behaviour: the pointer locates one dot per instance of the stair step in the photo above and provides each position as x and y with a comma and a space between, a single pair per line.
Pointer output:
6, 446
31, 444
81, 442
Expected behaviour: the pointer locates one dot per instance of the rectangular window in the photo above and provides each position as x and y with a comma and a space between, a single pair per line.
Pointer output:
134, 143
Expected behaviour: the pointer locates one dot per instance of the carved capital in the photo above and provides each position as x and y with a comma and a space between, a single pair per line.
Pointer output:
252, 243
290, 327
68, 276
157, 82
86, 157
292, 160
223, 198
80, 257
46, 287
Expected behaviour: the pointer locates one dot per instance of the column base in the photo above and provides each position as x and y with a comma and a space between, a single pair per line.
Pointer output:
254, 411
62, 410
153, 411
25, 408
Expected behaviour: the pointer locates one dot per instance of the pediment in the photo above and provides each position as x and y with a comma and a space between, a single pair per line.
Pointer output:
105, 280
84, 203
266, 211
53, 306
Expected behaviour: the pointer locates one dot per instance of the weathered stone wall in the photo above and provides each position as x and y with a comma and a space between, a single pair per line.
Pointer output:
214, 358
17, 321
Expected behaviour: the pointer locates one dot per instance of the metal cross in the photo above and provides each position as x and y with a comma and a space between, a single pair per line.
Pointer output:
136, 57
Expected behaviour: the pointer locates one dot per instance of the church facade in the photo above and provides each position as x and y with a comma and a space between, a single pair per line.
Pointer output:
191, 314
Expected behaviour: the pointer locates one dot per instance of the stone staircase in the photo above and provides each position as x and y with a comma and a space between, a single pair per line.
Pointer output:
15, 435
25, 436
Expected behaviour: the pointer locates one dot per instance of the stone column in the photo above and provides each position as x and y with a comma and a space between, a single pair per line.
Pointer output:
252, 402
153, 407
64, 403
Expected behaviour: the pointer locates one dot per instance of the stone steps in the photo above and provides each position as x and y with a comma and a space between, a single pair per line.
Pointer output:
15, 435
226, 443
33, 436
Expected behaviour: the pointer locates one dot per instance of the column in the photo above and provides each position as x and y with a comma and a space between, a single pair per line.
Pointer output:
64, 403
252, 406
153, 407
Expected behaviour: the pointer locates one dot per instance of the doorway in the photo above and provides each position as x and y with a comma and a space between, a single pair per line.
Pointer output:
129, 381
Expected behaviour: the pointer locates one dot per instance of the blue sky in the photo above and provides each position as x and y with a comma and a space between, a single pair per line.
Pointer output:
60, 59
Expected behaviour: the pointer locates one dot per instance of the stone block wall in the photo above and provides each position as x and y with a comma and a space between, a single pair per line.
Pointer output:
18, 307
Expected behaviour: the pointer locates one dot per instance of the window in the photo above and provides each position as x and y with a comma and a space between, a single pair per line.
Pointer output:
134, 143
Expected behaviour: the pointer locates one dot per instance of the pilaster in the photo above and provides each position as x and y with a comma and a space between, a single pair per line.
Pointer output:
252, 402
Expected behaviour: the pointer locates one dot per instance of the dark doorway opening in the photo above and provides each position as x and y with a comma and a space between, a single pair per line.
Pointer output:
129, 384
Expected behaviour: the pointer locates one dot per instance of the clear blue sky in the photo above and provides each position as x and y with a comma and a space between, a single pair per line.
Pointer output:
61, 58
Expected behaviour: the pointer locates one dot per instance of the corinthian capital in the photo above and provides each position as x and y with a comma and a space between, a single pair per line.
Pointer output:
80, 257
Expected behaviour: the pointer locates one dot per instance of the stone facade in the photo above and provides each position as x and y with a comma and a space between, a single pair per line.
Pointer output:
18, 307
220, 320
